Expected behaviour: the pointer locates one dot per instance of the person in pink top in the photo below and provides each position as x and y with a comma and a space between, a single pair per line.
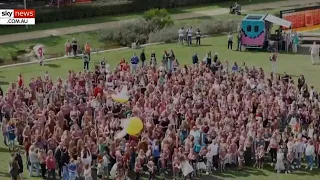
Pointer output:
51, 165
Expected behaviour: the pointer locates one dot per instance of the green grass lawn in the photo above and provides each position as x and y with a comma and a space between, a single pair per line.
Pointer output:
292, 64
68, 23
54, 46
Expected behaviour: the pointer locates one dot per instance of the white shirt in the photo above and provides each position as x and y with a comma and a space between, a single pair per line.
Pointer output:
189, 32
198, 34
310, 150
181, 32
214, 149
230, 37
87, 172
33, 157
86, 160
312, 93
314, 49
105, 161
299, 147
310, 132
107, 68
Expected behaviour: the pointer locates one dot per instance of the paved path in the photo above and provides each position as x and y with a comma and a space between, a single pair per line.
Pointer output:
93, 27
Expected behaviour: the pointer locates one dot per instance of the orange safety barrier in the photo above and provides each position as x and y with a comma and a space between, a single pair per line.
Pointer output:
305, 18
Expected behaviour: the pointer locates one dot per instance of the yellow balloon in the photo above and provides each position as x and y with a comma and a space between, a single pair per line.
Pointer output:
119, 99
135, 126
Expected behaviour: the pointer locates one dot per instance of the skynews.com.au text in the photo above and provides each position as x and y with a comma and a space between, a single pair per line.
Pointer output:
17, 16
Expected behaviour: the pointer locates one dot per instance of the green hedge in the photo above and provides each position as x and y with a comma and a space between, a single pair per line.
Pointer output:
95, 9
80, 12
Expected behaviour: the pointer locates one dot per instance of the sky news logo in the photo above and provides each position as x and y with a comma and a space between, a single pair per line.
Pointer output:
17, 16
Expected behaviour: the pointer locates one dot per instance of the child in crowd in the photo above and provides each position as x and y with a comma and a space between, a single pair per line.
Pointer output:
280, 161
261, 154
87, 172
72, 169
100, 170
240, 158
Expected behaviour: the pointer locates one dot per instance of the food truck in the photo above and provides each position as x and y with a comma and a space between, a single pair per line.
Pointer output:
256, 30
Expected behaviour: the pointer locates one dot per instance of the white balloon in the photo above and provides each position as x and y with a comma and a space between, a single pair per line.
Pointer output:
125, 123
121, 134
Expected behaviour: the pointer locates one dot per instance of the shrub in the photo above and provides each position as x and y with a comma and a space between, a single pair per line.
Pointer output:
168, 34
127, 32
158, 17
211, 27
81, 11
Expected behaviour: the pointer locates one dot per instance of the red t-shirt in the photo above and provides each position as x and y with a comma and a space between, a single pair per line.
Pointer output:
125, 67
97, 90
20, 81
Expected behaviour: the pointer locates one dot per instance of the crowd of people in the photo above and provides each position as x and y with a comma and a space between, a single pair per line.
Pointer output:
197, 118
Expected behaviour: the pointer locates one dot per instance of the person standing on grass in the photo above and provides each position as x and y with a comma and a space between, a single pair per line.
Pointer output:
198, 37
74, 47
209, 59
295, 42
190, 36
195, 59
230, 40
314, 50
273, 59
13, 167
143, 58
42, 158
153, 60
68, 48
171, 60
51, 165
20, 163
134, 63
239, 44
87, 49
310, 154
86, 61
181, 35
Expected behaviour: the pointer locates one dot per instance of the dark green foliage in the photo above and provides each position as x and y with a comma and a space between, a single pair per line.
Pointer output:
159, 18
108, 7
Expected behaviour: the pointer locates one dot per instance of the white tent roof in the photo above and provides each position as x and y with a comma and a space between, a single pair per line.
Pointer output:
275, 20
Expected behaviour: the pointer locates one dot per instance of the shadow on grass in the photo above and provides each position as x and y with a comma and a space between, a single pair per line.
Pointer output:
266, 9
3, 174
4, 83
52, 65
4, 150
